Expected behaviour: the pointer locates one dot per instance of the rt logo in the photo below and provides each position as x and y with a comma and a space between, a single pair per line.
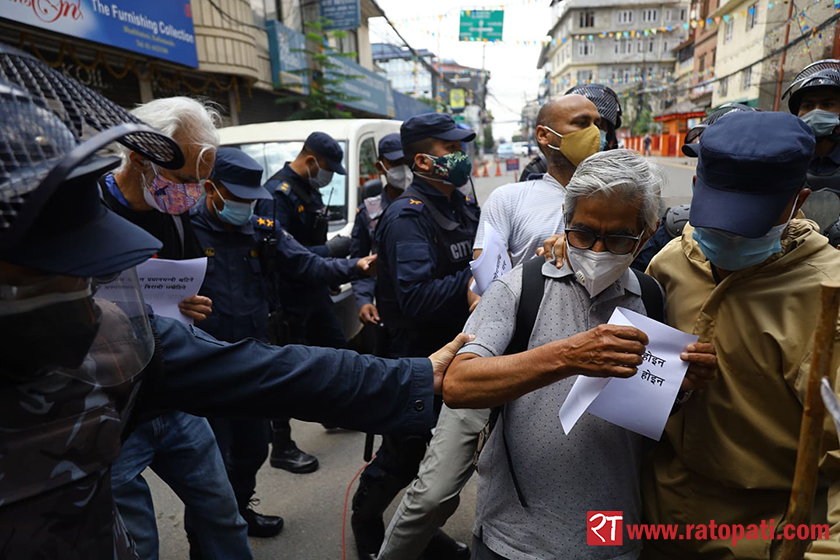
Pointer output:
604, 528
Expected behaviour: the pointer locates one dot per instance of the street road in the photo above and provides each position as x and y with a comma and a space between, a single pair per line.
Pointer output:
312, 504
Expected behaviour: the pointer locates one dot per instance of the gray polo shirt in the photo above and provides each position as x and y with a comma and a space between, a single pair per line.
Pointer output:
594, 468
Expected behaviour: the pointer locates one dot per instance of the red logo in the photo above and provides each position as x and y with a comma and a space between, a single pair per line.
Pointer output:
604, 528
188, 10
50, 11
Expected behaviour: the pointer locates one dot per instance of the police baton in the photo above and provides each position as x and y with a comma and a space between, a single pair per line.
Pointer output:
810, 434
368, 447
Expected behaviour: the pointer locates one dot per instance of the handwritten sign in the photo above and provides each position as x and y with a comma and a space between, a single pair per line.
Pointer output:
640, 403
166, 283
493, 262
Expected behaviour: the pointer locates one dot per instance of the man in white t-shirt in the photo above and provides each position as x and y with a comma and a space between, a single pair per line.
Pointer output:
524, 215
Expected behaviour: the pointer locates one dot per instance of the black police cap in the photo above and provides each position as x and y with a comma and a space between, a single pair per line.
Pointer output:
325, 145
433, 125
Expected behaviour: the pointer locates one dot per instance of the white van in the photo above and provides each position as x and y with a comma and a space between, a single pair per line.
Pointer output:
273, 144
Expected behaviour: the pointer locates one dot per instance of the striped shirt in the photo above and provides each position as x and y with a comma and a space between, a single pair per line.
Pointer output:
524, 215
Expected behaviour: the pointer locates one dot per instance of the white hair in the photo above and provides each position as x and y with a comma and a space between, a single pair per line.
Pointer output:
193, 121
621, 173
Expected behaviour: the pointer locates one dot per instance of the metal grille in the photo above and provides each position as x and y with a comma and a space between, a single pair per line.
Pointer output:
81, 108
832, 65
713, 117
604, 99
33, 139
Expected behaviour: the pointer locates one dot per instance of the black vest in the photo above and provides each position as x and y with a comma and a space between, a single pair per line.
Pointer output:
454, 241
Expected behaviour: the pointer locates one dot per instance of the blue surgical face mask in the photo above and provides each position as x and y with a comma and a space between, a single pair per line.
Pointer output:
732, 252
822, 122
603, 140
235, 213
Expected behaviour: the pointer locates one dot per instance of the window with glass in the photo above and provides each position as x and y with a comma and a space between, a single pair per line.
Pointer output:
723, 87
746, 78
625, 16
728, 29
367, 161
272, 156
650, 15
587, 18
752, 16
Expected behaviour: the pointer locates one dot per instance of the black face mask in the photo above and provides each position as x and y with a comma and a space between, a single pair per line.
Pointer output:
50, 337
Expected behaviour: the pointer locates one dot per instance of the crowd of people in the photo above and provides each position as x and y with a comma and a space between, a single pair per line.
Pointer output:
95, 387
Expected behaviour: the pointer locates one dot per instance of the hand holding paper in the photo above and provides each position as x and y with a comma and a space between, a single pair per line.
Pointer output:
640, 403
493, 261
168, 284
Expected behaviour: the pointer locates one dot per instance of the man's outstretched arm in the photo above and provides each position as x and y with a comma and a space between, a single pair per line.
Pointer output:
202, 375
473, 381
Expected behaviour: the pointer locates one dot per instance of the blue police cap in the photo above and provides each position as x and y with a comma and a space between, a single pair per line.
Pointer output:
390, 147
433, 125
751, 164
240, 174
324, 145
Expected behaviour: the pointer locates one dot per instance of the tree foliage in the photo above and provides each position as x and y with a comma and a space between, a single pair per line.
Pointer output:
325, 75
642, 124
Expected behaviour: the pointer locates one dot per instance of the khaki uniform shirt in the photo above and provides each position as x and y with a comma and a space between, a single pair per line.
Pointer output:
729, 454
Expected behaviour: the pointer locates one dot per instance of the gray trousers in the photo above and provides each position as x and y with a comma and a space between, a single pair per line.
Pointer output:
434, 495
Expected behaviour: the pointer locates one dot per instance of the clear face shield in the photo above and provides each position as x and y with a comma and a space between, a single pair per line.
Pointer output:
94, 330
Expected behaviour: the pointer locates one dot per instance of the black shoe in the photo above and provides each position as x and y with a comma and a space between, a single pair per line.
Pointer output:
290, 458
262, 526
444, 547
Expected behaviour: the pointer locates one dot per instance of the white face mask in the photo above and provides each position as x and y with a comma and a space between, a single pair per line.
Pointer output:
399, 177
597, 271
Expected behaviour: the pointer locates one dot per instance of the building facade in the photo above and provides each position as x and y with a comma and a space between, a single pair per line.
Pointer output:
406, 72
135, 51
627, 45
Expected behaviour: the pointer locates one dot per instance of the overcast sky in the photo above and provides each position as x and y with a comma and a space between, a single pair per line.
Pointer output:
513, 68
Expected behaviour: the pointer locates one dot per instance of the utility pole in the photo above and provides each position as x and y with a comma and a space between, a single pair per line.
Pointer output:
784, 57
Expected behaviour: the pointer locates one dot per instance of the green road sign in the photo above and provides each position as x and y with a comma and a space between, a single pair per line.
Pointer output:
481, 25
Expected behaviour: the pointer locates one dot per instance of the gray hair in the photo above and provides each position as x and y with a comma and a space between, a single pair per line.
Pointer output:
173, 116
618, 172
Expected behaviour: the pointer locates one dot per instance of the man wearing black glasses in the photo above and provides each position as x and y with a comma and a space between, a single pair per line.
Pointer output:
538, 508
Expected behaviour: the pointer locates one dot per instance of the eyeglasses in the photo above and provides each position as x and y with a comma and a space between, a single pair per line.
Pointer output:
616, 244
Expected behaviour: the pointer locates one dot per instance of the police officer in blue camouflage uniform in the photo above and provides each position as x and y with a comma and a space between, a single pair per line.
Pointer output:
82, 353
235, 281
397, 177
297, 207
422, 289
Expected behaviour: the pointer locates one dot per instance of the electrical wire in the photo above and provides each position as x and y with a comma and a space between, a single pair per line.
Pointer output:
232, 19
346, 499
780, 50
411, 49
